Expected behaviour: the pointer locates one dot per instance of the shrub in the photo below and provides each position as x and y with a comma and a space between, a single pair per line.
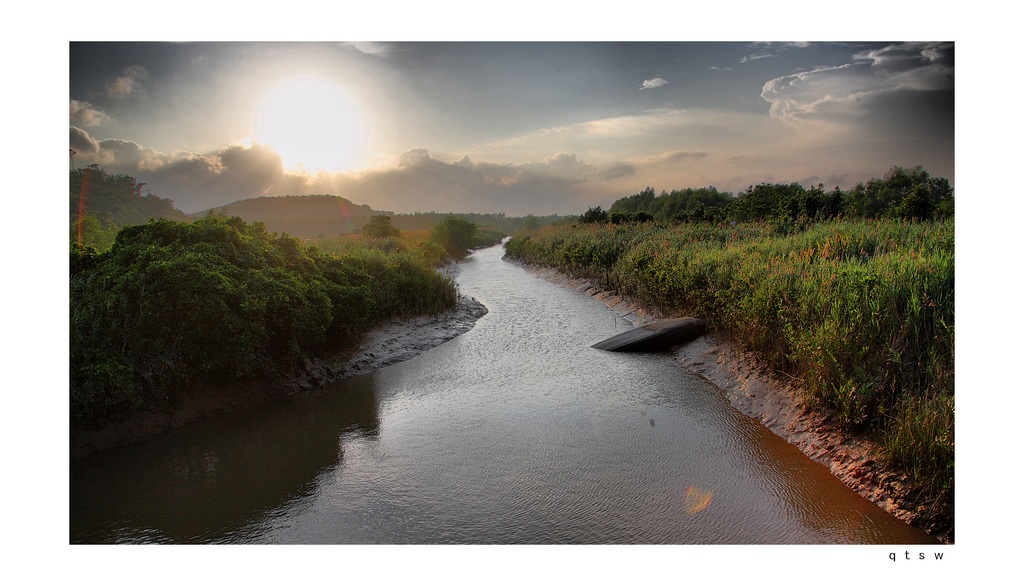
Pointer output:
172, 304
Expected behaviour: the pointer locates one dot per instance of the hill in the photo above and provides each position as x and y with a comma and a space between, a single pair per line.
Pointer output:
299, 215
308, 216
102, 203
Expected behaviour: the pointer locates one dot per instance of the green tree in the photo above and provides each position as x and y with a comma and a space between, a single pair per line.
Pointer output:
767, 201
89, 230
594, 215
902, 193
380, 227
457, 235
115, 200
638, 202
916, 205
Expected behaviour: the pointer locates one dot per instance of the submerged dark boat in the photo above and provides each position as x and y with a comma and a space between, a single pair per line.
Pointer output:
655, 336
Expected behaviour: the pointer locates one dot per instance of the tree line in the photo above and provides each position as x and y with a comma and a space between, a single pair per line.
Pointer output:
453, 234
901, 194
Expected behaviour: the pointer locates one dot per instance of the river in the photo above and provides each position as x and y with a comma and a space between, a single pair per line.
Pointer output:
516, 432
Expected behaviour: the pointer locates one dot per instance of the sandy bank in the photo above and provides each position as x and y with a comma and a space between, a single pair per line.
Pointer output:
778, 404
390, 343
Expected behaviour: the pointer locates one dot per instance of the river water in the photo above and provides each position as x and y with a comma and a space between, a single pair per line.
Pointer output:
515, 432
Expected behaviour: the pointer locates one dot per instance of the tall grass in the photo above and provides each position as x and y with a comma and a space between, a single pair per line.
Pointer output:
862, 311
416, 243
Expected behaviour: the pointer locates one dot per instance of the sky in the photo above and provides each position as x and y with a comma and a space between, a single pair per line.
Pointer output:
515, 127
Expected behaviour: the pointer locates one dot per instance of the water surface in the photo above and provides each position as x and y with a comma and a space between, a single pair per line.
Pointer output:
515, 432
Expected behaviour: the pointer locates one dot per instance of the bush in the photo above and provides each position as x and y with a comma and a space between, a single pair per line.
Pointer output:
172, 304
456, 235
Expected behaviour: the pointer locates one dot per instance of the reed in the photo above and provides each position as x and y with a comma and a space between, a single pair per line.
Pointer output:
861, 310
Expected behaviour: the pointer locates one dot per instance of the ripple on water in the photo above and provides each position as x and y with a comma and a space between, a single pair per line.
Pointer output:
515, 432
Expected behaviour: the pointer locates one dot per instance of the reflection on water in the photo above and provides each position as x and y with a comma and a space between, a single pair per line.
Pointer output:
515, 432
205, 482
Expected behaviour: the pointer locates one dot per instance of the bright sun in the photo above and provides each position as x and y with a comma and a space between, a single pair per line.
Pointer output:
312, 123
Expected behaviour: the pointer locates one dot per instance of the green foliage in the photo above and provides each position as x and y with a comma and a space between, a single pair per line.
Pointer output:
621, 218
861, 311
487, 237
705, 204
594, 215
380, 227
643, 201
101, 203
903, 193
172, 304
920, 440
785, 202
88, 230
309, 216
456, 235
497, 222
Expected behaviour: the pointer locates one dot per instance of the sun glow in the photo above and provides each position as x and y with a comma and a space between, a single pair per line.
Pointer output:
314, 124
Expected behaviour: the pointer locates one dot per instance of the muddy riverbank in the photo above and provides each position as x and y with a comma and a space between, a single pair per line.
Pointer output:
777, 403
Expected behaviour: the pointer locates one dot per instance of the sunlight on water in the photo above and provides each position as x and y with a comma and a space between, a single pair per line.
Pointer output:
696, 500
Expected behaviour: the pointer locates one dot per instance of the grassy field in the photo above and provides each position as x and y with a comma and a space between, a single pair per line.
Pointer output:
861, 311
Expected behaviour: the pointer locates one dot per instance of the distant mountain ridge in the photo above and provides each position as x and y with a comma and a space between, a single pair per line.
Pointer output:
102, 203
309, 216
290, 207
299, 215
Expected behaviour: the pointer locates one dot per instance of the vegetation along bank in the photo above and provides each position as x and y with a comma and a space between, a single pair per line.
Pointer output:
859, 311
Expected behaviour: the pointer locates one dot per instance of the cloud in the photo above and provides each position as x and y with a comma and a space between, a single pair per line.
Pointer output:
200, 181
370, 48
129, 84
653, 83
422, 183
908, 55
858, 90
413, 157
113, 150
756, 57
778, 48
564, 166
825, 123
82, 142
618, 171
85, 114
673, 157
